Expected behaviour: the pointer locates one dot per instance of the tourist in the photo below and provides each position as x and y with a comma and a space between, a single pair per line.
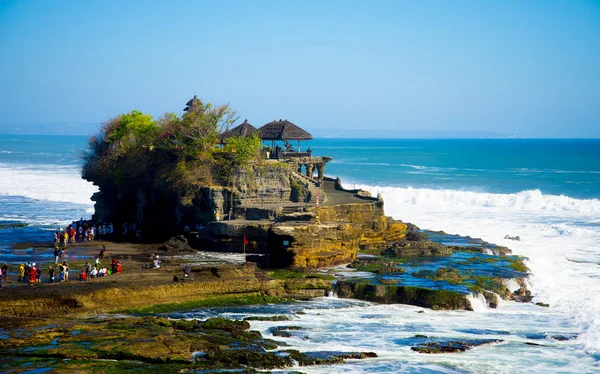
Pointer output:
32, 274
21, 273
97, 262
102, 251
4, 271
94, 273
56, 238
65, 238
80, 229
1, 273
92, 233
66, 271
186, 271
72, 234
26, 273
38, 274
113, 265
50, 274
83, 276
102, 272
56, 252
61, 270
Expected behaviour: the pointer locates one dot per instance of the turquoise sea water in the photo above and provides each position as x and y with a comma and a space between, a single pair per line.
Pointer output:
569, 167
545, 191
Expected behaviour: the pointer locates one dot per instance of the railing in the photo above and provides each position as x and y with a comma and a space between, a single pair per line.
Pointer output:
282, 155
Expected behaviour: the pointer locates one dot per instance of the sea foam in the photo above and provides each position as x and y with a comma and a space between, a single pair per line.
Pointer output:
560, 236
46, 183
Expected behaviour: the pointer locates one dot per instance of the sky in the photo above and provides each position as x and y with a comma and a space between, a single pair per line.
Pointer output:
335, 68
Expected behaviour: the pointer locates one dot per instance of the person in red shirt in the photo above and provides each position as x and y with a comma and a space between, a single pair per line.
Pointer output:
32, 275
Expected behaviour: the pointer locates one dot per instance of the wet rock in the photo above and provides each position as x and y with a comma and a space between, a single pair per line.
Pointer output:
267, 318
405, 248
283, 331
523, 299
178, 244
226, 325
326, 357
543, 304
563, 337
537, 344
387, 294
451, 346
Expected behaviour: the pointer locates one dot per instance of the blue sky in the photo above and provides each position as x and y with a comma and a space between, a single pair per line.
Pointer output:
336, 68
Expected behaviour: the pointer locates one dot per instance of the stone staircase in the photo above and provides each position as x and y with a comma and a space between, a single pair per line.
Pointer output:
314, 189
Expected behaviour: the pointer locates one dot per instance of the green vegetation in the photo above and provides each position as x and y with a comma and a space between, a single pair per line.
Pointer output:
290, 274
380, 266
13, 225
172, 152
442, 274
516, 263
152, 344
209, 302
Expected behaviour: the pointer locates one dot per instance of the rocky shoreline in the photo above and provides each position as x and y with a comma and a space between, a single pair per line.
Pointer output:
53, 324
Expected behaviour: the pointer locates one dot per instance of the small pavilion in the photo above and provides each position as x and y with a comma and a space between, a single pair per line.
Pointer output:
284, 130
245, 129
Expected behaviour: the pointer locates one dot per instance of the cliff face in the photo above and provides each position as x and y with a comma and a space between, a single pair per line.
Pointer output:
161, 212
271, 205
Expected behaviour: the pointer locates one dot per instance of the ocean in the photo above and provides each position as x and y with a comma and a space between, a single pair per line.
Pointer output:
545, 191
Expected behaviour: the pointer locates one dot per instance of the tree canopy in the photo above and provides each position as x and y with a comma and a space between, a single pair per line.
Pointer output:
175, 149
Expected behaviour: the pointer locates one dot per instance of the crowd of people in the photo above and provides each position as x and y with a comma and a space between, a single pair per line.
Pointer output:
82, 231
31, 272
97, 270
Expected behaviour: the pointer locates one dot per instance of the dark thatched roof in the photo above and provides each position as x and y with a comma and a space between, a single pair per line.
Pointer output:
245, 129
283, 130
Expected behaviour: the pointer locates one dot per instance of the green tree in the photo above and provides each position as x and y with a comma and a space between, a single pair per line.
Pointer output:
244, 149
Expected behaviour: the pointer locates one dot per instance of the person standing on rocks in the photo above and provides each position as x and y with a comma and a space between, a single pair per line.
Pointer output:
4, 271
56, 251
66, 267
21, 273
32, 274
51, 274
26, 272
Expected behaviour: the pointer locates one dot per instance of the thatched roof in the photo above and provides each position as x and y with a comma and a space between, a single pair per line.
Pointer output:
283, 130
245, 129
222, 138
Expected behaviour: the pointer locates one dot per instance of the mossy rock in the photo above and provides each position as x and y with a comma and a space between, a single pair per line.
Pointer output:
224, 324
388, 294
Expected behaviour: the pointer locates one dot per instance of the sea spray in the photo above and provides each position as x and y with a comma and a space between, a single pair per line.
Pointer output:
478, 302
46, 183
